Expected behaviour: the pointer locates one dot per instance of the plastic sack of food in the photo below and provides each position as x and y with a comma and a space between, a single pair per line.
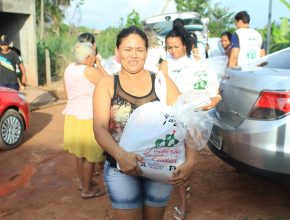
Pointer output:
216, 65
198, 123
202, 76
153, 132
198, 83
111, 65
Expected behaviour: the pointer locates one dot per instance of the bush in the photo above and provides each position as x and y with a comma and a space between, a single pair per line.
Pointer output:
106, 42
60, 47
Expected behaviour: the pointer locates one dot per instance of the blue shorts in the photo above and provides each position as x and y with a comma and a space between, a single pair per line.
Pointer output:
11, 86
130, 192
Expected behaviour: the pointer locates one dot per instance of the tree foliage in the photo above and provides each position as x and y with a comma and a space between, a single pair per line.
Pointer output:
60, 51
53, 12
280, 33
221, 19
59, 38
106, 41
199, 6
133, 19
285, 3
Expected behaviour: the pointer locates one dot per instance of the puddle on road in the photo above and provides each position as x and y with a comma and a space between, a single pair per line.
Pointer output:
18, 181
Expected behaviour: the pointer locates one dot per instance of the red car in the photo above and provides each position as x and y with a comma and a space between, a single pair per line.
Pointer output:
14, 118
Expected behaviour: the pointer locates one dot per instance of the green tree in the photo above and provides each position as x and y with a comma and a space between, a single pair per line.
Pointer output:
55, 31
285, 3
106, 41
199, 6
220, 20
53, 13
60, 51
280, 33
133, 19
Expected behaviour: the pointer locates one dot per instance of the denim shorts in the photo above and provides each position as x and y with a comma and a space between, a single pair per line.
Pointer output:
11, 86
130, 192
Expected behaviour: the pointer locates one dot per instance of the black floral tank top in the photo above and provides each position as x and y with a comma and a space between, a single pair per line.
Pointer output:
122, 106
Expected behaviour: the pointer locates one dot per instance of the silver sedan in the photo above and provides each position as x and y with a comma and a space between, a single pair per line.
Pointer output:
252, 122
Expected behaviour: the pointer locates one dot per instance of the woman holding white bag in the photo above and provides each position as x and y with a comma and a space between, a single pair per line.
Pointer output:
180, 67
115, 98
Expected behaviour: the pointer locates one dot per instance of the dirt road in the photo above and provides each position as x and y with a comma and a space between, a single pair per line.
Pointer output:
38, 181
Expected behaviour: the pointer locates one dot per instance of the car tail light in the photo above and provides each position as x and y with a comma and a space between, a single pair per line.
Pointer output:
271, 105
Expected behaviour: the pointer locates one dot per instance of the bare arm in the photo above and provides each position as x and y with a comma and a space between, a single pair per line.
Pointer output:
164, 67
195, 53
93, 74
100, 67
101, 112
172, 91
22, 69
263, 52
184, 171
64, 88
213, 102
234, 57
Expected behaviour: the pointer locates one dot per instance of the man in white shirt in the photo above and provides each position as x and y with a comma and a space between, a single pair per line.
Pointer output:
247, 42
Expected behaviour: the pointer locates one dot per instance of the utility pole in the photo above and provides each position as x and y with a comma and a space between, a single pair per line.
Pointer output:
269, 26
41, 20
46, 51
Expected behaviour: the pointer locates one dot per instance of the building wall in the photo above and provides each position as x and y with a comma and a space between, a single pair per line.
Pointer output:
18, 22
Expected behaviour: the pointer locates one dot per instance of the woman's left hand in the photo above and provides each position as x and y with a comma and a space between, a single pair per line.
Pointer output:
182, 174
214, 101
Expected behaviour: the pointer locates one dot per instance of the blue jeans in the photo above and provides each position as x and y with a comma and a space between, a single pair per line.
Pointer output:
11, 86
130, 192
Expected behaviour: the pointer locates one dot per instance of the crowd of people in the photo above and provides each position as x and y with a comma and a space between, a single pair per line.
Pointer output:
92, 133
100, 104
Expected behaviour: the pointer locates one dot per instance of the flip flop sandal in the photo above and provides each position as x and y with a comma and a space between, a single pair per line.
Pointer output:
93, 183
97, 173
178, 215
96, 194
188, 192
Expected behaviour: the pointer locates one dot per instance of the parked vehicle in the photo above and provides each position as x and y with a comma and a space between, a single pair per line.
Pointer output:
252, 121
193, 22
14, 118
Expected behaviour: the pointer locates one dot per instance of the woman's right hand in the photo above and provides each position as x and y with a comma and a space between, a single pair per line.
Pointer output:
128, 163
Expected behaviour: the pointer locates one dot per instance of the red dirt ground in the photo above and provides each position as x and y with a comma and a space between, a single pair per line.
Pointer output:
38, 181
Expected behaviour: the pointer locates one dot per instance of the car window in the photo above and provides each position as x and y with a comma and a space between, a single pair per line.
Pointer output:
278, 60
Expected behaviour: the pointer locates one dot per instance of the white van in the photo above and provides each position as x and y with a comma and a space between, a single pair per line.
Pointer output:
193, 22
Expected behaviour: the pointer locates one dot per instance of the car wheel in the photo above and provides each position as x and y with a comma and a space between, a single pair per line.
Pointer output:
11, 130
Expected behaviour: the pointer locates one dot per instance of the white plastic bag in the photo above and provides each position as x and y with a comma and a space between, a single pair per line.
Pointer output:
111, 65
198, 123
216, 65
203, 77
153, 133
198, 82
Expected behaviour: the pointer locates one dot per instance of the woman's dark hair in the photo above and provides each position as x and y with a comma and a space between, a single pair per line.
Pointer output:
184, 35
178, 21
131, 30
228, 35
86, 37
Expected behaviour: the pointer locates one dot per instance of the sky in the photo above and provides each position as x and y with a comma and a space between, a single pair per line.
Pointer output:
101, 14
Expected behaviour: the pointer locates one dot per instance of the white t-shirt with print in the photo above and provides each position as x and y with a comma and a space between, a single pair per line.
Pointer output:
250, 42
